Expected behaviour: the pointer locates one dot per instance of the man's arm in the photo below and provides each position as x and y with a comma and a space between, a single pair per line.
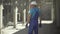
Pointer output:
28, 18
29, 15
40, 19
40, 25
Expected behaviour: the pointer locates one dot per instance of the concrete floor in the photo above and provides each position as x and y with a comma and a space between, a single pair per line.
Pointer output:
19, 27
11, 30
45, 29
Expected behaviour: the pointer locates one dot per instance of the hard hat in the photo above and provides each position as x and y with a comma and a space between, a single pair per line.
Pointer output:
33, 3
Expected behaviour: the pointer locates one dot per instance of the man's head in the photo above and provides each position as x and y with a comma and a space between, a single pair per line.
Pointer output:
33, 4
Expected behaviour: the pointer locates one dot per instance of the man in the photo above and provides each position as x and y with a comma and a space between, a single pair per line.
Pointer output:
32, 18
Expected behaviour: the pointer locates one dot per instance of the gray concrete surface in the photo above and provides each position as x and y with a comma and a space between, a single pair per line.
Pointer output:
45, 29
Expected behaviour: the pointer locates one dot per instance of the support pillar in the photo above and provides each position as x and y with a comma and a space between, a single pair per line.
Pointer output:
1, 17
15, 16
24, 16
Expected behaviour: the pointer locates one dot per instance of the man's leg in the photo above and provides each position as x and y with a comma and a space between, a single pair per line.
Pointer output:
30, 31
36, 29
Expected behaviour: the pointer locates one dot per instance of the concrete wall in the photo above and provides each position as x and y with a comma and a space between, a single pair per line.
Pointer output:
57, 12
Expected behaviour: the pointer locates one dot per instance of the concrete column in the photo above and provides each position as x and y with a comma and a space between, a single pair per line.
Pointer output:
15, 16
24, 15
58, 13
1, 17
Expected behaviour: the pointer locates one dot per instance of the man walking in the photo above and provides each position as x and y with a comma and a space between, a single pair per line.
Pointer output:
32, 18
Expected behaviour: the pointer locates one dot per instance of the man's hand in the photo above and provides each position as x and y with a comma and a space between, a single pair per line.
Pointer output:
40, 25
27, 25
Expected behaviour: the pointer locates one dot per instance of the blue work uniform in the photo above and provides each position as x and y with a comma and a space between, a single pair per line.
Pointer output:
35, 13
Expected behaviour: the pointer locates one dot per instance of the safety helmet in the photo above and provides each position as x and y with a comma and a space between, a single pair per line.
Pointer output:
33, 3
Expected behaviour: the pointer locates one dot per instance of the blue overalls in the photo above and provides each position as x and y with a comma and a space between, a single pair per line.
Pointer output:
34, 20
